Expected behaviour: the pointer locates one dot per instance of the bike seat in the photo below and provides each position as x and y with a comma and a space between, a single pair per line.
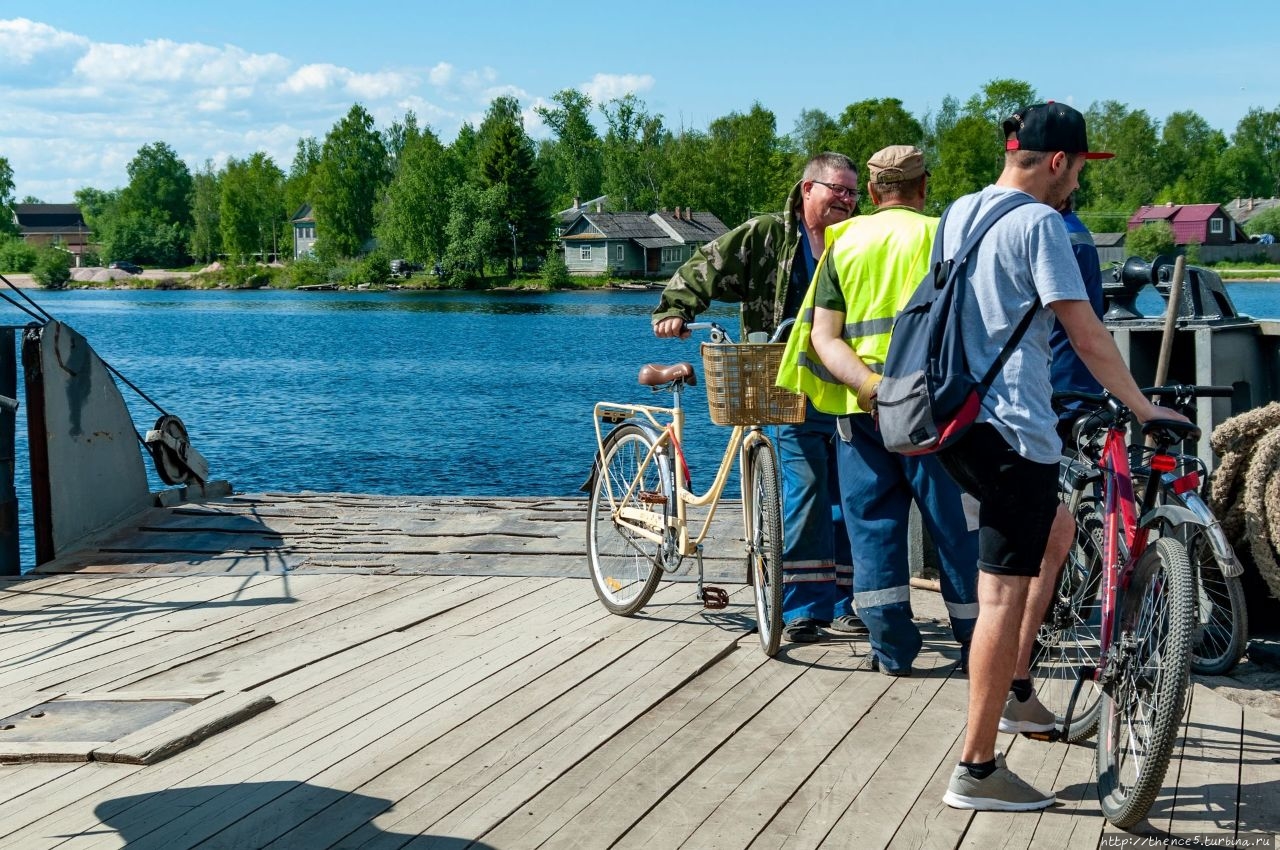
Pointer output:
1167, 432
657, 375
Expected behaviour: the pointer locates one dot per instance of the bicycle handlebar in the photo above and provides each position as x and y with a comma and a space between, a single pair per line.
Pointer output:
1181, 393
720, 334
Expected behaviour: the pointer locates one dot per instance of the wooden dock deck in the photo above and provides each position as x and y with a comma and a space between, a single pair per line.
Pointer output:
442, 676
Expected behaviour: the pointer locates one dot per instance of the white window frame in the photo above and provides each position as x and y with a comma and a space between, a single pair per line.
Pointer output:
617, 253
673, 255
584, 253
1216, 225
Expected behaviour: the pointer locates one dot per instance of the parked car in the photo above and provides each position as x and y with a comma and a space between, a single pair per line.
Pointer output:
126, 266
404, 268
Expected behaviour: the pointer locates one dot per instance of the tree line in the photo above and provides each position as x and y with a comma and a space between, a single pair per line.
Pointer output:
486, 200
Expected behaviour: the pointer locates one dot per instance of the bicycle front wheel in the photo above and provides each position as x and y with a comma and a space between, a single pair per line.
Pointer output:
1148, 671
764, 543
1069, 638
626, 566
1221, 621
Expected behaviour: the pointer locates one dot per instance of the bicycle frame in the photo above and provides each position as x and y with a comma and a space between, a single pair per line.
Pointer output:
652, 524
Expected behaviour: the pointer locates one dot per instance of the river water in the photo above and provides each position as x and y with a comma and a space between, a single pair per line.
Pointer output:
396, 393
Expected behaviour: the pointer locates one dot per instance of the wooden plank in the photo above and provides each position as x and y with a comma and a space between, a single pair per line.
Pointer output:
1259, 810
301, 738
506, 754
188, 727
1038, 764
1076, 822
597, 801
878, 806
810, 813
1205, 771
729, 798
456, 753
928, 824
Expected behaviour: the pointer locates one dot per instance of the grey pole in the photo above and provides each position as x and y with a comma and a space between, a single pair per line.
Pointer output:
10, 565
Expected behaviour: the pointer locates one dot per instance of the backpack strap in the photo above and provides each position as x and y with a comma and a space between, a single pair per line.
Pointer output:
972, 238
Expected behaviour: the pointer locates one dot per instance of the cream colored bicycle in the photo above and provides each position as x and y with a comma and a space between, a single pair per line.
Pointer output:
641, 488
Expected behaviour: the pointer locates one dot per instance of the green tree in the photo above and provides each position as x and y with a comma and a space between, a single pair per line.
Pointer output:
1257, 137
6, 198
1119, 186
869, 125
577, 151
814, 133
969, 158
999, 99
348, 181
684, 161
465, 153
752, 165
414, 214
206, 196
399, 135
251, 207
633, 156
297, 186
477, 226
507, 160
1150, 240
53, 268
1267, 221
1190, 152
159, 186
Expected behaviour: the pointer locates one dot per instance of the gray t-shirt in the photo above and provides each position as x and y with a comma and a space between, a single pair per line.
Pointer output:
1024, 256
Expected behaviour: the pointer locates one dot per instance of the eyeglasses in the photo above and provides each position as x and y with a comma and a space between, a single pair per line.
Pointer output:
840, 190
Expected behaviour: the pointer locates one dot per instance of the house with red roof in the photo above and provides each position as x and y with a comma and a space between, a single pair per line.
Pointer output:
1205, 224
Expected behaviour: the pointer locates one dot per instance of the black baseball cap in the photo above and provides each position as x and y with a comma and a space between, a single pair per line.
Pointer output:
1049, 127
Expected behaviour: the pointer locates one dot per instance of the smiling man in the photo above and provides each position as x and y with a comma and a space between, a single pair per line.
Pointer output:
766, 264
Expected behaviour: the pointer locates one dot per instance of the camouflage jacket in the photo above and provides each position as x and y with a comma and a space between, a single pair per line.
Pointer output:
751, 264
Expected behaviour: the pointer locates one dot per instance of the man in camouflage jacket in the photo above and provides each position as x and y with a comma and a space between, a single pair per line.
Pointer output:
766, 264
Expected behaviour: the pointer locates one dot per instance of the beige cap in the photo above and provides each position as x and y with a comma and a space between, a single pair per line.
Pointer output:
895, 164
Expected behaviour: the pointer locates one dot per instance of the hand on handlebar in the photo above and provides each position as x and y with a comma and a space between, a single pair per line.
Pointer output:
671, 326
1155, 411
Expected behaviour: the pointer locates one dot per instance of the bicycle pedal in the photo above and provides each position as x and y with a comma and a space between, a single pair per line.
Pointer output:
714, 598
652, 497
1048, 737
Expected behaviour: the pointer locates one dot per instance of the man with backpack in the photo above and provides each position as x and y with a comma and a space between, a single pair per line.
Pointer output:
871, 266
766, 264
1020, 276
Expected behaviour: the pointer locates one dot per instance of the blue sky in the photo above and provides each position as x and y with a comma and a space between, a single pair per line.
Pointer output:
83, 85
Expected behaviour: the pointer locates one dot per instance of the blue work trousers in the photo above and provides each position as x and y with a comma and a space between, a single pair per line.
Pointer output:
817, 575
877, 488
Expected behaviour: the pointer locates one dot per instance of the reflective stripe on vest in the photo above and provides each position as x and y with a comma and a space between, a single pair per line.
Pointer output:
879, 259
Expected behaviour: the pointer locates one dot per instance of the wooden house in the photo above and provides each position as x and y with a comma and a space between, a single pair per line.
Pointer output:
633, 244
1205, 224
61, 225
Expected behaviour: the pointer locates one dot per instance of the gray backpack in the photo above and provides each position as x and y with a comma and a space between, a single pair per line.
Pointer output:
929, 396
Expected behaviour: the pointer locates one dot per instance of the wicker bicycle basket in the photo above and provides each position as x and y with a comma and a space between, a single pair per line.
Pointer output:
740, 390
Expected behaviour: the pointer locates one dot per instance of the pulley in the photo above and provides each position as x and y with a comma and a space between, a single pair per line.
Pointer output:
176, 460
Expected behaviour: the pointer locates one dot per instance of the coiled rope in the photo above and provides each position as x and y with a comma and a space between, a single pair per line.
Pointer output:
1245, 489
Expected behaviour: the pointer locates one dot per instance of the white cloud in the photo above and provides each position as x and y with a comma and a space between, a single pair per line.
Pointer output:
311, 78
22, 40
441, 74
606, 87
162, 60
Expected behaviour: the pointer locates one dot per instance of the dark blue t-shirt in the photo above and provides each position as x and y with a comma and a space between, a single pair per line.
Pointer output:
1068, 371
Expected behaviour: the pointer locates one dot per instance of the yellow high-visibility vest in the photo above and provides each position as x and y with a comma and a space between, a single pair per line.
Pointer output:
879, 260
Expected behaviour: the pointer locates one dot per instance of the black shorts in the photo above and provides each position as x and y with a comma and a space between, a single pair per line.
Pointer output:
1017, 500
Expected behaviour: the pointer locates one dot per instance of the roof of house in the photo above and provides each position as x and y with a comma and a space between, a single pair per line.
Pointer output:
1186, 220
48, 218
1243, 209
1108, 240
567, 216
303, 215
653, 230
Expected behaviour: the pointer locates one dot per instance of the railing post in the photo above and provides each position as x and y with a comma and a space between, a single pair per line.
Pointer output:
10, 563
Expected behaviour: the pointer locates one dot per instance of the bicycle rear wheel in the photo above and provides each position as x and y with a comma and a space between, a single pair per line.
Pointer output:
1147, 677
764, 543
1221, 619
625, 566
1069, 638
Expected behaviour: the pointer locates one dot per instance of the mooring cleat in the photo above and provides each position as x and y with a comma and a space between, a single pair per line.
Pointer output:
714, 598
